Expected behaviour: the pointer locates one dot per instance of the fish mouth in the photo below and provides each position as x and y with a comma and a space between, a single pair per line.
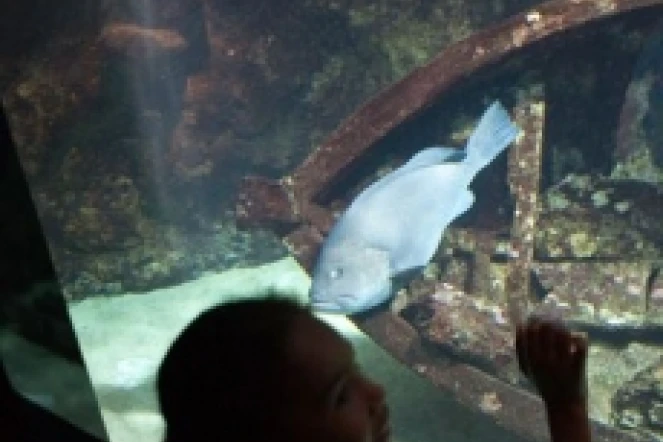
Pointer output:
325, 307
342, 305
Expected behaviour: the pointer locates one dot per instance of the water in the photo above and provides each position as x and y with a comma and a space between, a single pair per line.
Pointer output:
136, 122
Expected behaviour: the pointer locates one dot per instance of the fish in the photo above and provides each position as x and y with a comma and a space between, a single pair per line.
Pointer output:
392, 229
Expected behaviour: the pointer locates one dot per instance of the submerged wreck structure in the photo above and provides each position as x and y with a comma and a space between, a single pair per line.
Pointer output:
573, 230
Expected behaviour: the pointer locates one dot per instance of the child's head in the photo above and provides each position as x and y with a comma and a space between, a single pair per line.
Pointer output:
267, 370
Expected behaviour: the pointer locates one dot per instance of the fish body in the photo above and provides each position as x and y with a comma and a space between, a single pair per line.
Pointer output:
394, 226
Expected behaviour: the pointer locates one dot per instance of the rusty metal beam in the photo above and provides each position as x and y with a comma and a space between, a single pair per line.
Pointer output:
524, 177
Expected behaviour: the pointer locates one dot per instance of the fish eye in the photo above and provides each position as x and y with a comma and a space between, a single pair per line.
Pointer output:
336, 273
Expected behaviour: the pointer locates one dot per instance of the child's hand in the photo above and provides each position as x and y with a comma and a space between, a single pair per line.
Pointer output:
553, 358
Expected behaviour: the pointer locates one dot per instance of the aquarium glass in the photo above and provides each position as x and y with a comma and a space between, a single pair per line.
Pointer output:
186, 153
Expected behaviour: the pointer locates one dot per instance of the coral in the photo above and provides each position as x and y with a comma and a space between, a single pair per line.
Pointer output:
582, 245
49, 92
165, 256
600, 198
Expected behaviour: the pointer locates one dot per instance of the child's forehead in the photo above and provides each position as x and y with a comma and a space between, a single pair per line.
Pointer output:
309, 332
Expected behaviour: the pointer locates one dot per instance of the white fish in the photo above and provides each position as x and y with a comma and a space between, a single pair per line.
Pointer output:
393, 228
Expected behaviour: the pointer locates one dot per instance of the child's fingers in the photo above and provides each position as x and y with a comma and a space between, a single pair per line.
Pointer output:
521, 349
579, 342
545, 342
565, 346
536, 346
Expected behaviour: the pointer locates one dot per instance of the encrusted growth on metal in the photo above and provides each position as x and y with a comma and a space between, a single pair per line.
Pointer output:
524, 177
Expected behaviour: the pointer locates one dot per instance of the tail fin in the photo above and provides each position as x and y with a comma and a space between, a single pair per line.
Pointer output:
491, 136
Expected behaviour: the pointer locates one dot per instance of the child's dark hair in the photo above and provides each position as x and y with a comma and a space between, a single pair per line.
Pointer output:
219, 379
